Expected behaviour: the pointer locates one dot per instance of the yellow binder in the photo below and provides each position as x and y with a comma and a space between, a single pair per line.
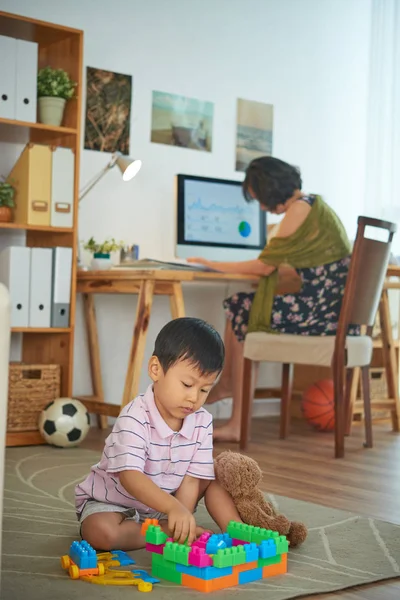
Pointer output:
31, 178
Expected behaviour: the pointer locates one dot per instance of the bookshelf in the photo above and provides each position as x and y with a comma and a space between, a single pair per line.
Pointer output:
59, 47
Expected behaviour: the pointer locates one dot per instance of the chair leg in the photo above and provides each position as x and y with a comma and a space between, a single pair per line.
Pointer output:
352, 381
247, 403
367, 406
338, 383
287, 382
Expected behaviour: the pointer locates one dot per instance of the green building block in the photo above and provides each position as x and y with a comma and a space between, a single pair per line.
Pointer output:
240, 531
260, 534
165, 569
177, 553
229, 557
282, 545
266, 562
154, 535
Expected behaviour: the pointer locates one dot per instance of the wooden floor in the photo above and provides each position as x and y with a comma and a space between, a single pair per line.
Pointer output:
302, 467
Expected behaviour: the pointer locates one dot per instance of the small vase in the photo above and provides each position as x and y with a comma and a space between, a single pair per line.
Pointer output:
101, 262
51, 110
5, 214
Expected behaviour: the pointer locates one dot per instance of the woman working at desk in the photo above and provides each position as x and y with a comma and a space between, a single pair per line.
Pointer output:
311, 245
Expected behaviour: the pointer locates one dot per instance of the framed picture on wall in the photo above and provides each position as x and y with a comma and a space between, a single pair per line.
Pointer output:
108, 111
254, 131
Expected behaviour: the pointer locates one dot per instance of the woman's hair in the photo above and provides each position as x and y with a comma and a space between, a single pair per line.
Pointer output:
193, 340
270, 181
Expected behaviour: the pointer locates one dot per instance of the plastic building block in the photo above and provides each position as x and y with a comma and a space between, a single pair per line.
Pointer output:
282, 545
273, 560
229, 557
268, 548
252, 552
240, 531
146, 524
205, 573
83, 555
246, 567
144, 576
177, 553
211, 585
248, 576
165, 573
277, 569
122, 557
199, 558
154, 535
214, 544
154, 548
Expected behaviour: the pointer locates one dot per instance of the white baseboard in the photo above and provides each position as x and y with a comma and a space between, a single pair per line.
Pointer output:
268, 407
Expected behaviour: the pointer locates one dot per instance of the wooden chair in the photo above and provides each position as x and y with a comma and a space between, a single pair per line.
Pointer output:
343, 353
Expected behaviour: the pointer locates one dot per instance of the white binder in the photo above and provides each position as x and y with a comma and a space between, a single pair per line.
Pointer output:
40, 287
14, 273
61, 296
26, 80
62, 187
8, 74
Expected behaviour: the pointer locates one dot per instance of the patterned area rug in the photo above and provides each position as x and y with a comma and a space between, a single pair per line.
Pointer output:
343, 550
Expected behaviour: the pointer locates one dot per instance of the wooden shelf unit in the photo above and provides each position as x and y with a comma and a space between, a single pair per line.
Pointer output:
59, 47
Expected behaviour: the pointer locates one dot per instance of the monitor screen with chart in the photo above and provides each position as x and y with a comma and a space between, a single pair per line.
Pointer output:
214, 220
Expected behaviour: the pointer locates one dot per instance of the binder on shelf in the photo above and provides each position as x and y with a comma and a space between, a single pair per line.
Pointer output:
26, 80
8, 75
62, 187
14, 273
61, 292
31, 178
40, 287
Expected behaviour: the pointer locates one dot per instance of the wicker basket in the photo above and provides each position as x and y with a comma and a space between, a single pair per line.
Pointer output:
377, 383
30, 389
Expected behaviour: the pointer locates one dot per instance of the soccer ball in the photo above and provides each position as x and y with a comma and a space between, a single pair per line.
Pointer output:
64, 422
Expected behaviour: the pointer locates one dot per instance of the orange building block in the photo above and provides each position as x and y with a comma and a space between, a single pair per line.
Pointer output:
211, 585
146, 524
245, 567
278, 569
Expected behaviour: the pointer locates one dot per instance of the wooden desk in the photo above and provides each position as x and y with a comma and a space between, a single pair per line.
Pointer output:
145, 284
148, 283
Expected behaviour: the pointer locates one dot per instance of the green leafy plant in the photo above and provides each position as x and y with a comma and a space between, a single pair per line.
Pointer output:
106, 247
55, 83
7, 193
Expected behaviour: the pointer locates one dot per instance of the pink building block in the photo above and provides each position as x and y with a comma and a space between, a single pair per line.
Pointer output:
154, 548
237, 542
199, 558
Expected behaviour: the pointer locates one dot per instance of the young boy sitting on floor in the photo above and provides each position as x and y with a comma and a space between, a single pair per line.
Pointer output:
158, 461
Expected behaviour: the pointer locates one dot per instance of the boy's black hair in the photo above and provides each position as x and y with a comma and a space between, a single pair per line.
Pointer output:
270, 181
193, 340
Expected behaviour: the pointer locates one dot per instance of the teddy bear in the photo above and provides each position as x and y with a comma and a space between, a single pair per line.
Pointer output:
240, 476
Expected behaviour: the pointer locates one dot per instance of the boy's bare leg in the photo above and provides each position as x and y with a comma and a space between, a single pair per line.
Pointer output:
111, 531
220, 506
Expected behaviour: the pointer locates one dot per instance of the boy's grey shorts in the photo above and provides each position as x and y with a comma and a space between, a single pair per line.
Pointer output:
92, 507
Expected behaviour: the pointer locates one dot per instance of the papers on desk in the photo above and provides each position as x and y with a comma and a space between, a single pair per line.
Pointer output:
172, 265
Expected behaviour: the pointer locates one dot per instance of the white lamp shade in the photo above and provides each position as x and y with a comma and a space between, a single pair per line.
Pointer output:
129, 167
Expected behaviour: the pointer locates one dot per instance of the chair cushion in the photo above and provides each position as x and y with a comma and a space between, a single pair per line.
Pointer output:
305, 349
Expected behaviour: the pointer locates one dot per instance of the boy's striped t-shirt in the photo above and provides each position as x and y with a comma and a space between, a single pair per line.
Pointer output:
142, 441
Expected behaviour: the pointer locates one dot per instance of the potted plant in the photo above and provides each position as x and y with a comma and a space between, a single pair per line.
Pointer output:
54, 88
7, 193
102, 252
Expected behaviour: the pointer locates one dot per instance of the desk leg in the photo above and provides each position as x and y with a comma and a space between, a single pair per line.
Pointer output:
94, 354
145, 301
176, 301
389, 358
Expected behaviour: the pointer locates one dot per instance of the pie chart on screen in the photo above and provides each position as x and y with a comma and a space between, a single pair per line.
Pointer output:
244, 229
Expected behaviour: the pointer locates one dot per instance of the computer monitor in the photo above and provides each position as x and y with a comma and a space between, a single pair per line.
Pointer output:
214, 221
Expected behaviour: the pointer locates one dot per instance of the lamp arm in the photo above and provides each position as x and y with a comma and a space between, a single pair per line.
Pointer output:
97, 177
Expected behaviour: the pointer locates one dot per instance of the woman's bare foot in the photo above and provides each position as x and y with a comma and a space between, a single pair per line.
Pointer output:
227, 433
219, 392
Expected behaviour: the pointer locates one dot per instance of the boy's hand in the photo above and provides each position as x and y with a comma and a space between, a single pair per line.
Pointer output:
201, 530
182, 525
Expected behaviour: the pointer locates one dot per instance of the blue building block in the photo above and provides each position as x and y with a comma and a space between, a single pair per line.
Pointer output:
267, 548
248, 576
227, 539
215, 543
252, 552
205, 573
123, 558
83, 555
145, 576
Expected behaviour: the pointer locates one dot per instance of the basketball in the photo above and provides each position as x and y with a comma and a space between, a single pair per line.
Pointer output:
318, 405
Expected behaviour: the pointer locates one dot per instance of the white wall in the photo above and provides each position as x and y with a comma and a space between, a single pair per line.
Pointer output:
309, 58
